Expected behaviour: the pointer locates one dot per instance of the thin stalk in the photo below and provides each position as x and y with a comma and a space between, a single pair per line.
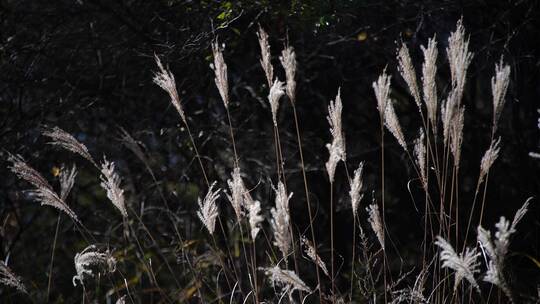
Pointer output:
353, 256
383, 216
332, 239
308, 203
52, 256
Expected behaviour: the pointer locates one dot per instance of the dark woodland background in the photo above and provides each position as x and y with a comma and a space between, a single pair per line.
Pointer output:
87, 67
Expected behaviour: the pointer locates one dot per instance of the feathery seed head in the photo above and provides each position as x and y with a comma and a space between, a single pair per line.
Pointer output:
429, 87
67, 180
266, 56
420, 157
237, 189
489, 158
337, 148
459, 58
165, 80
110, 181
281, 220
356, 188
392, 124
276, 92
456, 135
220, 70
499, 86
255, 218
208, 209
406, 69
376, 223
315, 258
65, 140
382, 91
90, 258
465, 265
8, 278
287, 279
288, 61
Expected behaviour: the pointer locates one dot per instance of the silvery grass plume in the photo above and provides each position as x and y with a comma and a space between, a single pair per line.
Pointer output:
281, 220
286, 279
65, 140
464, 265
456, 135
121, 300
459, 58
449, 109
8, 278
376, 223
208, 209
429, 86
313, 256
497, 249
499, 86
110, 181
490, 156
254, 215
237, 189
356, 188
67, 180
276, 92
165, 80
382, 91
266, 62
337, 147
43, 192
220, 70
407, 71
420, 157
392, 124
288, 61
89, 259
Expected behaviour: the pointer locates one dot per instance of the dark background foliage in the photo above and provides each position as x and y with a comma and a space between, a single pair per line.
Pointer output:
87, 66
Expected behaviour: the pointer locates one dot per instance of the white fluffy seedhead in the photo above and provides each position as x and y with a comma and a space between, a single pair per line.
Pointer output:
337, 148
164, 78
67, 180
382, 91
266, 56
456, 135
237, 192
499, 86
392, 124
420, 157
43, 192
208, 209
110, 181
8, 278
65, 140
376, 223
288, 61
356, 184
429, 86
281, 220
407, 71
459, 58
220, 70
490, 156
255, 217
287, 279
276, 92
313, 256
464, 265
91, 259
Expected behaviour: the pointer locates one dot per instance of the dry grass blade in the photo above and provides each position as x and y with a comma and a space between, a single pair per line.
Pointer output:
165, 80
110, 181
43, 191
8, 278
67, 141
88, 259
208, 209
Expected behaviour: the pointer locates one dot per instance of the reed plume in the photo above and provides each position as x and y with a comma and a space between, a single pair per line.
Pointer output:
281, 220
208, 209
337, 148
276, 92
165, 80
65, 140
288, 61
90, 257
499, 86
429, 86
8, 278
356, 185
220, 70
266, 56
464, 265
407, 71
110, 182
